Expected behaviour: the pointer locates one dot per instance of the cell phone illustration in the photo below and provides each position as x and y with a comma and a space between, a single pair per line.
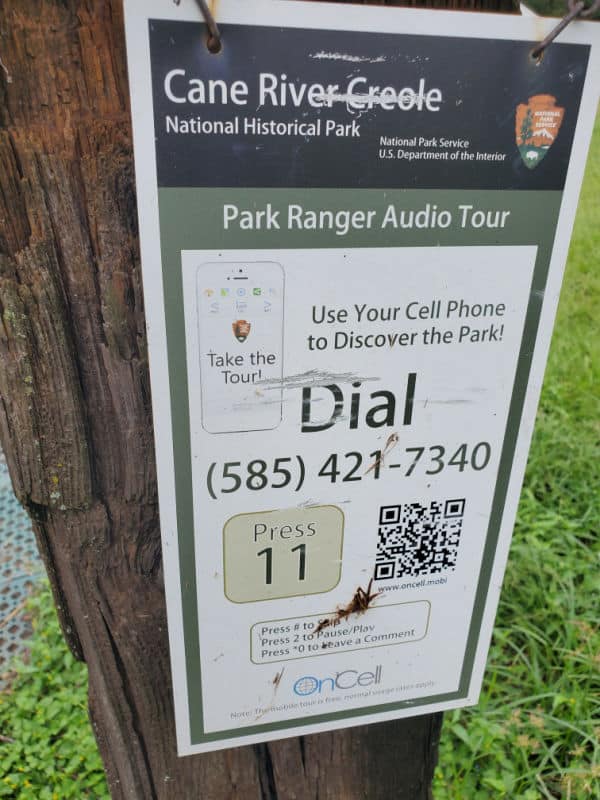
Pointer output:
240, 319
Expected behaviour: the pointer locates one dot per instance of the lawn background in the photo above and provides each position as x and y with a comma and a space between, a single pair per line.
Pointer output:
536, 730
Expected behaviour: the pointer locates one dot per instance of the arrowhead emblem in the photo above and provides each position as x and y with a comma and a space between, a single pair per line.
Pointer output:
537, 124
241, 329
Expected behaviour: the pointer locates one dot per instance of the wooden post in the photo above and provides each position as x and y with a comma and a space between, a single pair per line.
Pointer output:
76, 425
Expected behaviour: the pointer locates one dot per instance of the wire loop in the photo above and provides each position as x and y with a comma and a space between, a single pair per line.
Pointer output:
576, 8
591, 10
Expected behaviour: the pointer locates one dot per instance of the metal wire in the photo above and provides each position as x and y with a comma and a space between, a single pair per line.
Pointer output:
214, 34
576, 8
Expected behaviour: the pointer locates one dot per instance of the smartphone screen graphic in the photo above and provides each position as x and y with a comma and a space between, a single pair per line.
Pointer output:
240, 318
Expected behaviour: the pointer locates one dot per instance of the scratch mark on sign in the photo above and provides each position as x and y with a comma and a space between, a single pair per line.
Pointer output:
312, 377
452, 402
275, 683
249, 406
323, 55
308, 503
277, 678
391, 442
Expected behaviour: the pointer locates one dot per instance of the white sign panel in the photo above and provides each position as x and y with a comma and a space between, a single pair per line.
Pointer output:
352, 248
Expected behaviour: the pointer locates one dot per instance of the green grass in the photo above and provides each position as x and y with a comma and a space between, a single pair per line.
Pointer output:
536, 730
551, 8
533, 734
47, 750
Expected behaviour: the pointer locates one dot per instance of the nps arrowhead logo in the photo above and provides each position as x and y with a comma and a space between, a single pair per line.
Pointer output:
241, 329
536, 127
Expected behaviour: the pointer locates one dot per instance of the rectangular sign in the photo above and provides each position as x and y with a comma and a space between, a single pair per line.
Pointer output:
353, 232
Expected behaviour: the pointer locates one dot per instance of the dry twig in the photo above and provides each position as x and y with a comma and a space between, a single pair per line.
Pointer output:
358, 605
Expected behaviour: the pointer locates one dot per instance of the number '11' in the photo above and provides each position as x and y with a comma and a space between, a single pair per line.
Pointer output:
268, 553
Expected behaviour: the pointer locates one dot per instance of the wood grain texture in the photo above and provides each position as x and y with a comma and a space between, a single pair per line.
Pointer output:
76, 426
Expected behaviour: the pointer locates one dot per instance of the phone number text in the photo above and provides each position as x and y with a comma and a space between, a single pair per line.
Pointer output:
291, 471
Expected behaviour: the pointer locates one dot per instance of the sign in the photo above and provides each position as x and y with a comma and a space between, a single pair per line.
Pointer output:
353, 230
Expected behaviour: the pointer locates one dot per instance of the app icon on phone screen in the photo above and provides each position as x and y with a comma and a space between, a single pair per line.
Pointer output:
241, 346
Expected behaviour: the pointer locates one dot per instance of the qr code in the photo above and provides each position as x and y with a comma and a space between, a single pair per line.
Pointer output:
415, 539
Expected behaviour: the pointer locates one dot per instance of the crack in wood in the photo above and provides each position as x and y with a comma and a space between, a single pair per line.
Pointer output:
312, 378
266, 770
147, 779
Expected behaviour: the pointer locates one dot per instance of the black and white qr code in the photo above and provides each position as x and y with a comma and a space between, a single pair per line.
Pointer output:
415, 539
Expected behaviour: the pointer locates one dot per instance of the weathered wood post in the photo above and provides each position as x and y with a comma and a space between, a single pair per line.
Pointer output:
76, 423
